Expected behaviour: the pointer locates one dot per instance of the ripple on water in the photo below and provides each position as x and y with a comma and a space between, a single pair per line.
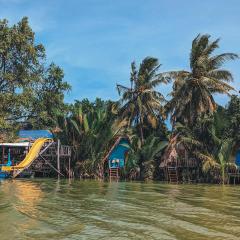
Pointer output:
50, 209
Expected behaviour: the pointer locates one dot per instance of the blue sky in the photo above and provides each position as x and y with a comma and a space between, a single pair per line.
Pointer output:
95, 41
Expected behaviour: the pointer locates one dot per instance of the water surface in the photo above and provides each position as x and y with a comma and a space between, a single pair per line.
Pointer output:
51, 209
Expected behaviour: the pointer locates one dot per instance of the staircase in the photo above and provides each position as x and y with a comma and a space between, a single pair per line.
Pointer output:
172, 174
113, 174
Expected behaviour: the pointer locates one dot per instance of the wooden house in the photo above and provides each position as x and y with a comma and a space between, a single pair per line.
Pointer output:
176, 165
116, 156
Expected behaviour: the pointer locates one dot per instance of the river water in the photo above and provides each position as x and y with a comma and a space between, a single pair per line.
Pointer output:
51, 209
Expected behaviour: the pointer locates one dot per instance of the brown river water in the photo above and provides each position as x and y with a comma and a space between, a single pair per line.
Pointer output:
51, 209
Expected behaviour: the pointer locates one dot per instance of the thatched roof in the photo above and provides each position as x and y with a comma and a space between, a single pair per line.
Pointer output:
170, 153
176, 153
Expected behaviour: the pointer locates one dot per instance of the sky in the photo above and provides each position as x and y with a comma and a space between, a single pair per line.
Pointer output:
95, 41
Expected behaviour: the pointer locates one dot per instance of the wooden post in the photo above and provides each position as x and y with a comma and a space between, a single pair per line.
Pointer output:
58, 157
69, 167
3, 153
9, 156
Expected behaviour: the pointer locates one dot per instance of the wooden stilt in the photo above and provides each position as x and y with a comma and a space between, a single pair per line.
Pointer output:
3, 153
58, 157
49, 158
69, 168
59, 173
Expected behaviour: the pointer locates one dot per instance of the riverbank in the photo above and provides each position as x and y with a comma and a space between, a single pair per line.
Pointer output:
47, 208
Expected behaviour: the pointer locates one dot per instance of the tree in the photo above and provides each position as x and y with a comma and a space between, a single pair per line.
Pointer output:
47, 103
233, 115
141, 102
219, 160
142, 160
20, 64
30, 91
90, 128
193, 90
206, 143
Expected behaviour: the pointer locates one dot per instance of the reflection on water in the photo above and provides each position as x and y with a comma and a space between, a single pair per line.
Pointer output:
51, 209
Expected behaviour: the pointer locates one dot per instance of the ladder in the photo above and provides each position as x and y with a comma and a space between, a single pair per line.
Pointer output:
113, 174
172, 174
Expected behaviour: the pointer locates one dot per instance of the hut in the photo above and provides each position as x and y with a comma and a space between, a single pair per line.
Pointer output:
116, 156
238, 158
233, 170
176, 165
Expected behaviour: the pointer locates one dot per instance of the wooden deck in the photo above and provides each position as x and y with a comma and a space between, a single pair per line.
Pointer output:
234, 177
53, 157
180, 170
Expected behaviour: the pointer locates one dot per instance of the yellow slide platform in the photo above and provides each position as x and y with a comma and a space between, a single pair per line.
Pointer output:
30, 157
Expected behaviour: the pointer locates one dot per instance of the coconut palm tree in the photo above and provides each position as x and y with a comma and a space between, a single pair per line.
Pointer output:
193, 90
142, 159
141, 102
233, 115
213, 152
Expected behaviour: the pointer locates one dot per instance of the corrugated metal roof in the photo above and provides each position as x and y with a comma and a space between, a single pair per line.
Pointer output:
35, 134
20, 144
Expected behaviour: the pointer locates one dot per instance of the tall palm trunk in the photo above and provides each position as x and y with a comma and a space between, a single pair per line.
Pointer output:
141, 131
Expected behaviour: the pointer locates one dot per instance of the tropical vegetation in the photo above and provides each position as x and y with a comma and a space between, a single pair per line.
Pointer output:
32, 97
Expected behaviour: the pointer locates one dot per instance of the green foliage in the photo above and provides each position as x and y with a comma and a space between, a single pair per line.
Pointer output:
203, 142
32, 96
20, 64
232, 129
192, 95
89, 128
198, 123
141, 103
29, 92
217, 162
47, 103
143, 159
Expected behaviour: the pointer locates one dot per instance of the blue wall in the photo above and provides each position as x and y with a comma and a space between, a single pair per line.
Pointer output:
238, 158
118, 154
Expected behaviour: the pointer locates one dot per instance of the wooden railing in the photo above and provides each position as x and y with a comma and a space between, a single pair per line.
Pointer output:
182, 162
187, 162
64, 151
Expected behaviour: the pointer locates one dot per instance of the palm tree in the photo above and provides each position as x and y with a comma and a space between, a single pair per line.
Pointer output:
219, 160
142, 159
141, 102
193, 90
214, 152
233, 115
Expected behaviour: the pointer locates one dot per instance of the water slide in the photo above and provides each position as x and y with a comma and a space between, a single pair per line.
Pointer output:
28, 160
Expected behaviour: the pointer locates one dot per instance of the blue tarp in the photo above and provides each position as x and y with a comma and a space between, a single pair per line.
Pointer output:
118, 154
35, 134
238, 158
